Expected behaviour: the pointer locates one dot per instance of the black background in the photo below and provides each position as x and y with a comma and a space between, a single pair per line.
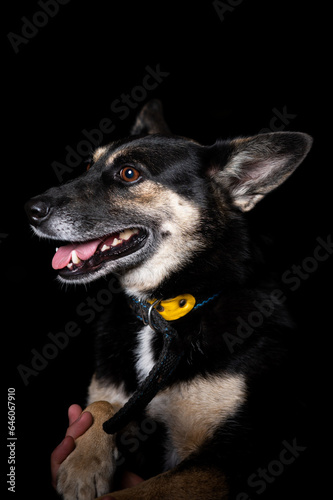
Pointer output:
227, 77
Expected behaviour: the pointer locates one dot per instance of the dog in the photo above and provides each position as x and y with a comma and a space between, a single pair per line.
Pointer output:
196, 342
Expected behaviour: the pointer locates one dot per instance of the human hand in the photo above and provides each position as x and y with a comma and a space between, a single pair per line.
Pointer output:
79, 423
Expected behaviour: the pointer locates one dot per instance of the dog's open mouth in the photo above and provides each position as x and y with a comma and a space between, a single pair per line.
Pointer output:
81, 258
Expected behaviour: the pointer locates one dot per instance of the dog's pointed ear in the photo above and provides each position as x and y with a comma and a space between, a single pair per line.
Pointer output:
249, 168
150, 120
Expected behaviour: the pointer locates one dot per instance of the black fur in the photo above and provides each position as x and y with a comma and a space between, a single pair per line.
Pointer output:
230, 264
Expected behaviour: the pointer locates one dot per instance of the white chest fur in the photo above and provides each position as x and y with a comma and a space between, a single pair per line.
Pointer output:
144, 353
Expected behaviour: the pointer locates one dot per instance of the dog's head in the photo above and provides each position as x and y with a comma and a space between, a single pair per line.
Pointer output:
151, 204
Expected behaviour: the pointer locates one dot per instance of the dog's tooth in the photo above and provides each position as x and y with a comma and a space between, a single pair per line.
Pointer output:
115, 242
57, 248
75, 258
105, 247
70, 265
125, 235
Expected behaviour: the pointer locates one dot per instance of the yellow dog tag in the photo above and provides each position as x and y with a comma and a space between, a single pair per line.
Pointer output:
175, 308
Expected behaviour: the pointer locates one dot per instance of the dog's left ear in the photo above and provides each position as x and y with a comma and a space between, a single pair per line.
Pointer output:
150, 120
249, 168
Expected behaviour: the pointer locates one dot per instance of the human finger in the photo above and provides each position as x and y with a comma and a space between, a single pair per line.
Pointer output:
80, 425
59, 454
74, 411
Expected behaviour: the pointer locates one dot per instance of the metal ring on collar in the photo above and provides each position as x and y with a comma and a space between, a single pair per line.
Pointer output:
150, 310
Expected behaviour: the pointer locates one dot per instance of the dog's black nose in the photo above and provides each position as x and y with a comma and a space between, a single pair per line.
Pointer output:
37, 210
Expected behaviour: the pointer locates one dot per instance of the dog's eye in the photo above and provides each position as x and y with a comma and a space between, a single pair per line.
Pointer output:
88, 166
129, 174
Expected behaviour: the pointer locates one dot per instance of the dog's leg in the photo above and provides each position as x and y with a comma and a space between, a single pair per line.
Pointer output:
87, 472
184, 482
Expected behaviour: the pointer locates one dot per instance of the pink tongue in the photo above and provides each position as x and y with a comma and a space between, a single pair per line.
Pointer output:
83, 250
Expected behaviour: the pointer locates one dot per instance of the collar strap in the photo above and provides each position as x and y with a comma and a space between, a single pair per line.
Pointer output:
156, 379
169, 309
168, 360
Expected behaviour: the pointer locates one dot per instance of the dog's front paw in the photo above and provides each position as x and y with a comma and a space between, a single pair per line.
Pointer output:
87, 472
78, 480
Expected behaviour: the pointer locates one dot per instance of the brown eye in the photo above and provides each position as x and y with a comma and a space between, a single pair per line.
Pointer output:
88, 166
129, 174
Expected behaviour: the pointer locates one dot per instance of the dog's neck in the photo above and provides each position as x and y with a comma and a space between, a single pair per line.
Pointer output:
200, 284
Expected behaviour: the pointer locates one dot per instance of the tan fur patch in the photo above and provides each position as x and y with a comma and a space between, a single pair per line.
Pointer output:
124, 150
99, 152
114, 155
192, 411
201, 483
179, 218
